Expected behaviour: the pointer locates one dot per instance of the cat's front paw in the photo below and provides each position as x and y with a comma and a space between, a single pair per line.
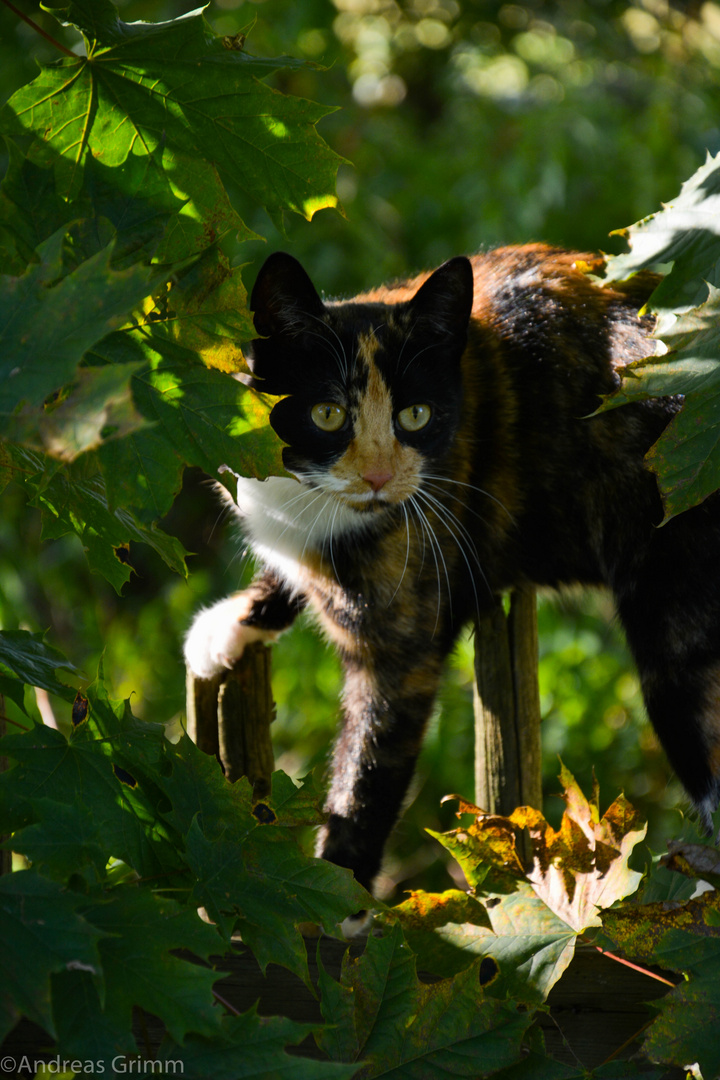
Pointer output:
218, 636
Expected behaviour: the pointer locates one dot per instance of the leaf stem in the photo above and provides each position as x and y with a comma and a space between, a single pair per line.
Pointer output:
635, 967
628, 1042
9, 720
39, 29
222, 1001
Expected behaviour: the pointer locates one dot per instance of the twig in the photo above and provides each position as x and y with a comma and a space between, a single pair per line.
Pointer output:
228, 1006
635, 967
39, 29
628, 1042
9, 720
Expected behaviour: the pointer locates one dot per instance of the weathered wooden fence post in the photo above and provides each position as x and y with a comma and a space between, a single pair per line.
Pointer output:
230, 716
507, 707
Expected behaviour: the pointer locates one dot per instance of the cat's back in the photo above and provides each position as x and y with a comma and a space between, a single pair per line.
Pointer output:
546, 299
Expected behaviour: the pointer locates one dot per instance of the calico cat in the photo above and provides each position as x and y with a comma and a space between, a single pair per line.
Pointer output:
441, 437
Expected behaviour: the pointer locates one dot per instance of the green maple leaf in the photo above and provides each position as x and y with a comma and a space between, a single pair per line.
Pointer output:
381, 1015
140, 209
199, 416
297, 804
685, 1032
83, 1030
252, 1046
76, 501
237, 869
41, 932
686, 457
172, 93
529, 946
194, 784
237, 861
41, 319
32, 662
141, 931
684, 239
685, 938
54, 783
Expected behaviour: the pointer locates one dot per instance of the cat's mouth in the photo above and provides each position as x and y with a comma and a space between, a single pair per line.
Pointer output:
372, 504
367, 495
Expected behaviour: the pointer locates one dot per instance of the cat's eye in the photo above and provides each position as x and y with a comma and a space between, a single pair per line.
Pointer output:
328, 416
414, 417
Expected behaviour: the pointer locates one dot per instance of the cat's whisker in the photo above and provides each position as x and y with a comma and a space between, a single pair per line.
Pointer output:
292, 522
332, 349
450, 519
340, 355
332, 549
471, 487
316, 519
406, 338
407, 554
436, 550
415, 356
438, 488
452, 523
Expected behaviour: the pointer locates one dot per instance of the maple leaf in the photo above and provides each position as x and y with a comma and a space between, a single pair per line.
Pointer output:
382, 1015
583, 867
576, 870
524, 912
683, 239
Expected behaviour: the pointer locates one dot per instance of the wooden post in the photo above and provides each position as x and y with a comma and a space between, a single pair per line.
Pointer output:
507, 708
230, 716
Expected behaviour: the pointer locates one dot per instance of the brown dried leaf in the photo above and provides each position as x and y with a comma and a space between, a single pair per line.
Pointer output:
583, 867
576, 870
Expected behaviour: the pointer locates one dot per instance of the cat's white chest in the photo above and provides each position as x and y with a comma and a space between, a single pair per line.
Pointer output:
286, 521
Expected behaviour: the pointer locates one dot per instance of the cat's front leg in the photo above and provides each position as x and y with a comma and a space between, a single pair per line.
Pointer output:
219, 634
387, 702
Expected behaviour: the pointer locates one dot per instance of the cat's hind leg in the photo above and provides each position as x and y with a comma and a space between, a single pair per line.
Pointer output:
219, 634
672, 625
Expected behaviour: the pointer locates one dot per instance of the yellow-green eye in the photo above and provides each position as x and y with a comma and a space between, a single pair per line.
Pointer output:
414, 417
328, 416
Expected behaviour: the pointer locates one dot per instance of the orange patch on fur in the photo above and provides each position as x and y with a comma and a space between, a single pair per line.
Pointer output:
374, 448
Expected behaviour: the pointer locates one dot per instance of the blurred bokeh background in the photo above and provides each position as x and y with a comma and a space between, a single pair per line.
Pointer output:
465, 124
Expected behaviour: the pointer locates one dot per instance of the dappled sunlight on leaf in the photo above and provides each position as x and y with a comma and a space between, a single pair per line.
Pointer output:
576, 870
684, 240
381, 1014
157, 90
526, 920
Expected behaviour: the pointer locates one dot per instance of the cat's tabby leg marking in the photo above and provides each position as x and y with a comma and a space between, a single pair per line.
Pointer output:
218, 635
386, 711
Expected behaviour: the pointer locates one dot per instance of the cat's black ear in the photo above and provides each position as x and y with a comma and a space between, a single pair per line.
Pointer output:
284, 298
445, 300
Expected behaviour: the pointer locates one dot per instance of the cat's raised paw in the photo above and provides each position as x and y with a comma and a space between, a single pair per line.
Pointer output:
218, 636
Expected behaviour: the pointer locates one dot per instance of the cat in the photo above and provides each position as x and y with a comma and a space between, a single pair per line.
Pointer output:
442, 448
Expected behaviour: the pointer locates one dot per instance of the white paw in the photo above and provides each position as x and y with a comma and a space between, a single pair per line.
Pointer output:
218, 636
357, 925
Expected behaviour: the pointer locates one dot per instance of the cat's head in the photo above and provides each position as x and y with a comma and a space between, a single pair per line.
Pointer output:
373, 388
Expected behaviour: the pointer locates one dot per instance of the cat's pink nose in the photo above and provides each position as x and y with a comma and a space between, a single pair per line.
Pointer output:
377, 478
